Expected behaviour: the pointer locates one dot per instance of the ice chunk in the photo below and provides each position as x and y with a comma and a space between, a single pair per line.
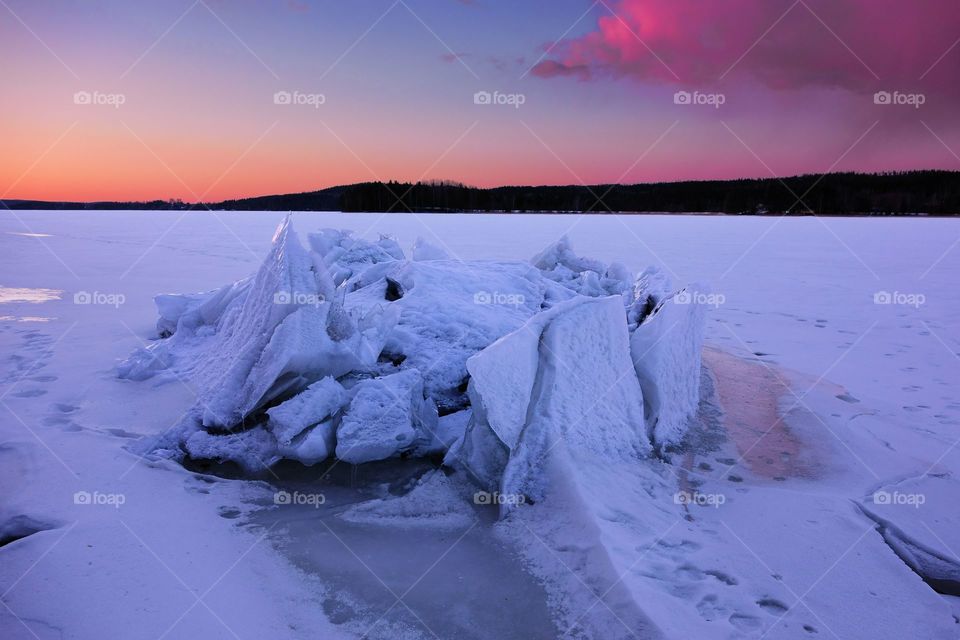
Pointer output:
285, 282
561, 253
450, 428
185, 322
303, 425
345, 256
917, 518
586, 399
172, 307
302, 349
386, 417
423, 250
316, 403
585, 276
564, 379
248, 344
448, 312
436, 502
502, 378
255, 450
650, 288
262, 341
314, 445
666, 351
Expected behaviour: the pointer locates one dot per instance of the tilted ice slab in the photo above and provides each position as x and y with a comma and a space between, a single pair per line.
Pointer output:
559, 437
349, 349
564, 382
274, 335
304, 425
666, 349
918, 519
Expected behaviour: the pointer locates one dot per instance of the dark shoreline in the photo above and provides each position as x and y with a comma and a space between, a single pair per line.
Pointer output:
911, 193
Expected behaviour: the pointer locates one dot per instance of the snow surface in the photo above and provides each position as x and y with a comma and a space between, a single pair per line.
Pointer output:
764, 523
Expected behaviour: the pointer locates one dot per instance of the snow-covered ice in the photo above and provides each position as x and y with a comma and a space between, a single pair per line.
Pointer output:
554, 457
399, 335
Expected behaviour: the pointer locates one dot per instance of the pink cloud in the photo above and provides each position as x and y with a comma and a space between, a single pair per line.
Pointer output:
453, 57
852, 44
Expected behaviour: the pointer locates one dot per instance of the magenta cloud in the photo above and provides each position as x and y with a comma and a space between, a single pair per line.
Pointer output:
785, 44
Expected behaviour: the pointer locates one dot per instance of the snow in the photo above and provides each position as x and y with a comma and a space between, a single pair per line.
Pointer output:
813, 400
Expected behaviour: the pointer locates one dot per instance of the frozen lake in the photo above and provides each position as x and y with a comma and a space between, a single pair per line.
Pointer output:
800, 290
849, 327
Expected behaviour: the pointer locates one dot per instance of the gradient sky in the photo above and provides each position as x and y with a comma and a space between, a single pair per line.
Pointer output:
598, 80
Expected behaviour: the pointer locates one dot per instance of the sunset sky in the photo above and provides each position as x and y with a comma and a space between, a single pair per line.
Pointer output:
112, 99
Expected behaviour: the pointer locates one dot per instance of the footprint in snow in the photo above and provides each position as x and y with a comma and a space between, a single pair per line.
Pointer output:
30, 393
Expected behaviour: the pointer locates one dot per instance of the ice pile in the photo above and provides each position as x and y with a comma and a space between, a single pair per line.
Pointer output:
349, 349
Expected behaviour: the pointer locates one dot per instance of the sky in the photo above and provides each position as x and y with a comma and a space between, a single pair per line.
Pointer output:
216, 99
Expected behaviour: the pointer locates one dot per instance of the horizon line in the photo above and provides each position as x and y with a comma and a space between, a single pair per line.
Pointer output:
457, 183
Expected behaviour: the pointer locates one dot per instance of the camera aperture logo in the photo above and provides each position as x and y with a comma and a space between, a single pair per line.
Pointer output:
495, 297
299, 98
497, 498
514, 100
697, 98
699, 297
896, 498
714, 500
99, 99
898, 98
915, 300
99, 298
299, 298
96, 498
297, 498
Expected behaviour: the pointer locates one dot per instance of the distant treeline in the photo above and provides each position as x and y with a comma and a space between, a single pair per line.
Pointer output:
896, 193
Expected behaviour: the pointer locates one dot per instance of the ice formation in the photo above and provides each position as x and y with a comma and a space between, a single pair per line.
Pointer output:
349, 349
570, 391
672, 333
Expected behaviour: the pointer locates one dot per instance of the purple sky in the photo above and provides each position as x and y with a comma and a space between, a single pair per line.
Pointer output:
187, 98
